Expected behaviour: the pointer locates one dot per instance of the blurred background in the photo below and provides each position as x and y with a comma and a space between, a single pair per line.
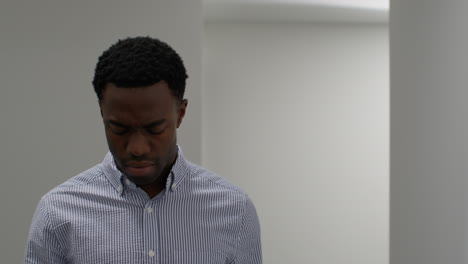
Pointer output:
296, 111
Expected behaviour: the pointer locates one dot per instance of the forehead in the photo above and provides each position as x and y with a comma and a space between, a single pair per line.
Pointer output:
140, 104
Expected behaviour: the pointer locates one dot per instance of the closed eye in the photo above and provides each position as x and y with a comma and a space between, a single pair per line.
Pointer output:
155, 130
117, 128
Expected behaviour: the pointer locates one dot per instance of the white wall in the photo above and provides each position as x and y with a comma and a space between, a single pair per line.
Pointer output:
50, 123
285, 11
298, 115
429, 130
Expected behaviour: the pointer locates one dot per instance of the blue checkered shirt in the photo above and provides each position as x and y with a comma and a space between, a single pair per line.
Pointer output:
99, 216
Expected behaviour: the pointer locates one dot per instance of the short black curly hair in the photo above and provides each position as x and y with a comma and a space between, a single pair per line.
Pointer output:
140, 61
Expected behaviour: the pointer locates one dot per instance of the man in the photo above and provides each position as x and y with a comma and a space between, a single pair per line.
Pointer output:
144, 203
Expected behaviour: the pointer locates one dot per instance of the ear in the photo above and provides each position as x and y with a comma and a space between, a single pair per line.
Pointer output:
181, 111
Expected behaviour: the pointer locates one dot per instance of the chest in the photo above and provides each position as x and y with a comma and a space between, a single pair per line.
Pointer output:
160, 231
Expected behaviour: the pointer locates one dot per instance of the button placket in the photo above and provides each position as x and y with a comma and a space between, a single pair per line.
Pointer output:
151, 230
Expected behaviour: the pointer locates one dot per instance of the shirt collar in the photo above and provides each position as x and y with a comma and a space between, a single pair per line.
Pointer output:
179, 170
118, 180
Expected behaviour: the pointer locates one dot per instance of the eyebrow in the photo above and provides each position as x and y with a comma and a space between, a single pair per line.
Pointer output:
152, 124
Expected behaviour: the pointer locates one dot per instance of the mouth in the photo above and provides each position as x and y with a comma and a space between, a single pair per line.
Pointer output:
139, 169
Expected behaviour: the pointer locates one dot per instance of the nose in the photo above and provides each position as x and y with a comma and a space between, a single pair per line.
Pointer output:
138, 145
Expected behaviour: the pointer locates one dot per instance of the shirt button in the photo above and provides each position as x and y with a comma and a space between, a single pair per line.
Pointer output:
119, 188
150, 210
127, 182
151, 253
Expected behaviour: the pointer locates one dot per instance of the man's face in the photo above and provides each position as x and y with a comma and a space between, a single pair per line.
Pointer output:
141, 126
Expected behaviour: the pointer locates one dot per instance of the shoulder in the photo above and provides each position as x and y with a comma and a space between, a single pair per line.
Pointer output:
209, 178
218, 192
209, 186
64, 198
75, 184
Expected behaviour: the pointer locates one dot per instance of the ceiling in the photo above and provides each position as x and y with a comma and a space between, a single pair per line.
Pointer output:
348, 11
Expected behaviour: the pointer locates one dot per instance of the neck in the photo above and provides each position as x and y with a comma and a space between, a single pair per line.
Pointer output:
152, 189
159, 185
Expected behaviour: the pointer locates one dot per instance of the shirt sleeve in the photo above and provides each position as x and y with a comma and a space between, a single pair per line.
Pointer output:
42, 245
249, 249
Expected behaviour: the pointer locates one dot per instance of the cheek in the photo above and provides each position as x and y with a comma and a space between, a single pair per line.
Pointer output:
114, 142
170, 136
163, 144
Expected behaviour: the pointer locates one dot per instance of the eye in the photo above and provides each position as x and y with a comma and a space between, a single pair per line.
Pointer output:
118, 130
155, 130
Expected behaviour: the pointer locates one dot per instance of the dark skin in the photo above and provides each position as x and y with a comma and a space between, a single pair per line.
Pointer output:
141, 126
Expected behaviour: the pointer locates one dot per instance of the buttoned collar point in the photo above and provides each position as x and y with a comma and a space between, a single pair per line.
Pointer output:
179, 170
113, 175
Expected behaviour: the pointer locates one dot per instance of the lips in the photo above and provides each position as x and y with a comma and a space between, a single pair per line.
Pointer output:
139, 169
